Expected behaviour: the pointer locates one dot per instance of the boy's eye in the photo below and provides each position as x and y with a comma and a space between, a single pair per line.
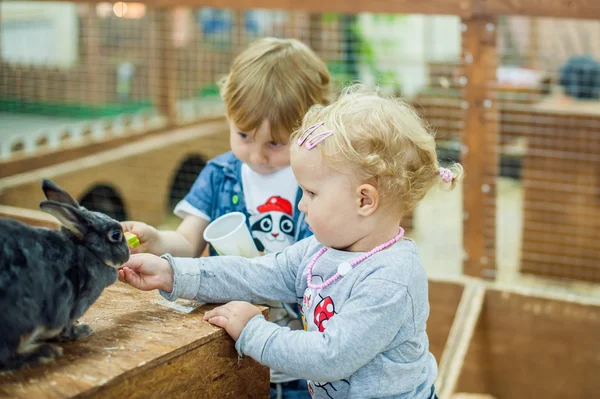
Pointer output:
275, 145
244, 136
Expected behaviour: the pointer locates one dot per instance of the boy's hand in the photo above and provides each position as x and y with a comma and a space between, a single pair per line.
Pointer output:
147, 272
233, 317
149, 237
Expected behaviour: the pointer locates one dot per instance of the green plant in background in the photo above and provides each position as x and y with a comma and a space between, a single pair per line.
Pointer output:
339, 69
339, 73
359, 49
369, 52
511, 55
208, 90
71, 109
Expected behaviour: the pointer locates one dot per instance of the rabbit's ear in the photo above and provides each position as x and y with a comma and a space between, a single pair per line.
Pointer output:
55, 193
70, 217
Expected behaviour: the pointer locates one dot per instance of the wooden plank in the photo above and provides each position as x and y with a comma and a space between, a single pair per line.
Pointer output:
142, 347
589, 9
583, 267
444, 299
29, 216
122, 154
570, 245
145, 196
49, 157
564, 272
459, 338
448, 7
531, 346
478, 149
566, 218
560, 191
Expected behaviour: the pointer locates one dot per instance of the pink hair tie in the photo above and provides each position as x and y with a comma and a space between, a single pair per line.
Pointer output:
446, 175
315, 139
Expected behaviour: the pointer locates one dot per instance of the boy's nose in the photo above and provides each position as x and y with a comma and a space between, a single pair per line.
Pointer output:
258, 157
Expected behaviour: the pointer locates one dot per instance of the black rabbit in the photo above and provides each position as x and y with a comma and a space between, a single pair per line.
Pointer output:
48, 278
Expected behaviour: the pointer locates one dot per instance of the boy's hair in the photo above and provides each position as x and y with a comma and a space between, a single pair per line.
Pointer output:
379, 139
277, 80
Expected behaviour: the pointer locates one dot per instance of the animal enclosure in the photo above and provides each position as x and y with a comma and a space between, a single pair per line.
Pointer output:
126, 113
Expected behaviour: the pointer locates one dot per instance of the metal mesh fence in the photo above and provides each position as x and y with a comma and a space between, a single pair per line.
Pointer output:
77, 80
548, 86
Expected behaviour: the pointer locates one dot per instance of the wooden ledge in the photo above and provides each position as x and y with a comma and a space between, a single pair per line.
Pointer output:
142, 347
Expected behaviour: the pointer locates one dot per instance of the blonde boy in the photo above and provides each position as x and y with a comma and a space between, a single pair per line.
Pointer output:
270, 87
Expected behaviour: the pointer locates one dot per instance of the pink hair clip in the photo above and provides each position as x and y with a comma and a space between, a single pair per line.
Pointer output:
316, 139
446, 175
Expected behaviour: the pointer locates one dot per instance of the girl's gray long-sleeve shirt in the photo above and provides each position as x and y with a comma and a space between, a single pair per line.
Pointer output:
365, 333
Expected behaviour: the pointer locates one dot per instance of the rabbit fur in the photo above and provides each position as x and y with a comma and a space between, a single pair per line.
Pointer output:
48, 278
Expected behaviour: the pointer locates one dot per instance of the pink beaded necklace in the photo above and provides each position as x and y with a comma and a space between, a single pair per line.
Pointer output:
342, 270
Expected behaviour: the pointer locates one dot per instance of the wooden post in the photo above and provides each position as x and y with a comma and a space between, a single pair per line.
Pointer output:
479, 145
166, 101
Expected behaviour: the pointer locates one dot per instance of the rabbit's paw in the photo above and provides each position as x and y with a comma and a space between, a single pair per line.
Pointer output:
74, 332
39, 353
48, 352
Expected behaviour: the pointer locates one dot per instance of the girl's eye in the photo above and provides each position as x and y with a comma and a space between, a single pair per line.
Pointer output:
115, 236
244, 136
310, 193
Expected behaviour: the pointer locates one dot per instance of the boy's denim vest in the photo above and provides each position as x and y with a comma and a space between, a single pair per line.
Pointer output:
218, 191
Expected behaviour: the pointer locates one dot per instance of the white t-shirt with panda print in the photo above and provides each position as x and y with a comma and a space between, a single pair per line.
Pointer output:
270, 201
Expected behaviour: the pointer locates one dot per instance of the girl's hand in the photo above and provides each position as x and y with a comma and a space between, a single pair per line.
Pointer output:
233, 317
147, 272
149, 237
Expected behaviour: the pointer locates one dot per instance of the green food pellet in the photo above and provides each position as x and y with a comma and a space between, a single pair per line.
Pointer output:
235, 199
132, 239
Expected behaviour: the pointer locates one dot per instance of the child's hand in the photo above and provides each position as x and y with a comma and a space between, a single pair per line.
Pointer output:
233, 317
147, 272
148, 236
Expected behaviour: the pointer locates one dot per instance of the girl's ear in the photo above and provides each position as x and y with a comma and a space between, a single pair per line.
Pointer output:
367, 199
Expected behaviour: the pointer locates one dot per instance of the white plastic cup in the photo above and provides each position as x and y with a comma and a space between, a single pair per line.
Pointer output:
230, 236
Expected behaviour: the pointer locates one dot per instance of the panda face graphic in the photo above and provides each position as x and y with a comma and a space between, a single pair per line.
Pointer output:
272, 231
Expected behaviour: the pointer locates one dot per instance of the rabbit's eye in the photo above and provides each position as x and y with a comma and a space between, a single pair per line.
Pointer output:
115, 236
